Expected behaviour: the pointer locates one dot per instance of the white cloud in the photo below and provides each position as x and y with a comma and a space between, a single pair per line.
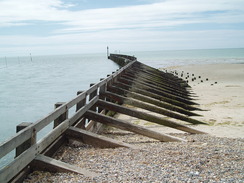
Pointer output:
124, 40
157, 14
15, 11
142, 27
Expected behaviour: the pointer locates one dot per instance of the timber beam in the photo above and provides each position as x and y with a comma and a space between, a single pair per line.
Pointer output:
140, 80
160, 91
117, 123
147, 117
44, 163
168, 78
154, 95
94, 139
153, 99
170, 85
158, 79
149, 107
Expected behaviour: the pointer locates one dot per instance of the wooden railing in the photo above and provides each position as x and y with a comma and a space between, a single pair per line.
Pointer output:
134, 84
21, 161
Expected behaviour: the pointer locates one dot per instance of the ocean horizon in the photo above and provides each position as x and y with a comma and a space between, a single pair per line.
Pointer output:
31, 85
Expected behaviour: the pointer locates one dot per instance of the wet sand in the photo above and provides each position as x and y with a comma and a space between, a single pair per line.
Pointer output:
219, 91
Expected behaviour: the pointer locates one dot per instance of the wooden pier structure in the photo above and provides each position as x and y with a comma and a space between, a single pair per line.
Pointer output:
134, 84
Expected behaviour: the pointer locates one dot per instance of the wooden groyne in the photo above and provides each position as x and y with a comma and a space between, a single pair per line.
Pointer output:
134, 84
121, 60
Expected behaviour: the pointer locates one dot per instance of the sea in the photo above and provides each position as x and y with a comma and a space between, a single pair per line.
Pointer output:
31, 85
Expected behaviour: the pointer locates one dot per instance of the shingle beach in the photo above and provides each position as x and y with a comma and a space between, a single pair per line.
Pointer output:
214, 157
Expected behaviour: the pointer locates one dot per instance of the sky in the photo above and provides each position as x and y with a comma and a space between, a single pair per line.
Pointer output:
51, 27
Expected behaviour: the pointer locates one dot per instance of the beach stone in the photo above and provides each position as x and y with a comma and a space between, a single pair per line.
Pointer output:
203, 158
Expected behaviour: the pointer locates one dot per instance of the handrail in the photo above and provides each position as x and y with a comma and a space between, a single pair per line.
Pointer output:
26, 157
8, 172
25, 134
62, 122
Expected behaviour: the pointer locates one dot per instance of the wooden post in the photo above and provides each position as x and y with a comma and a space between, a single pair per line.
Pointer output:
81, 103
103, 87
92, 125
20, 149
62, 117
102, 91
81, 123
92, 95
109, 83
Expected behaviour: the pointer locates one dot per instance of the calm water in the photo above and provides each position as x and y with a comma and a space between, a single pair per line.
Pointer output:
159, 59
29, 88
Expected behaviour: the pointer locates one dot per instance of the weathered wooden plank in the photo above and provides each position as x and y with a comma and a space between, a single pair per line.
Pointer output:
143, 97
92, 95
148, 84
19, 138
8, 172
82, 102
81, 122
162, 82
52, 149
131, 127
147, 117
62, 117
44, 163
94, 139
153, 95
149, 107
21, 175
92, 125
169, 78
165, 79
27, 143
16, 166
102, 90
99, 126
156, 91
25, 134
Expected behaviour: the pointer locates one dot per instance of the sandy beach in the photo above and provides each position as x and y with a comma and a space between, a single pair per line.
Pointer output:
213, 157
219, 91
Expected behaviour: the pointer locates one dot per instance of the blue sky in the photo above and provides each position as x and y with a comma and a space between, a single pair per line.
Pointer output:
46, 27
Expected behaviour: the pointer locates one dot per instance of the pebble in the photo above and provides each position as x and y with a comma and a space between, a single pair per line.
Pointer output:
203, 158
